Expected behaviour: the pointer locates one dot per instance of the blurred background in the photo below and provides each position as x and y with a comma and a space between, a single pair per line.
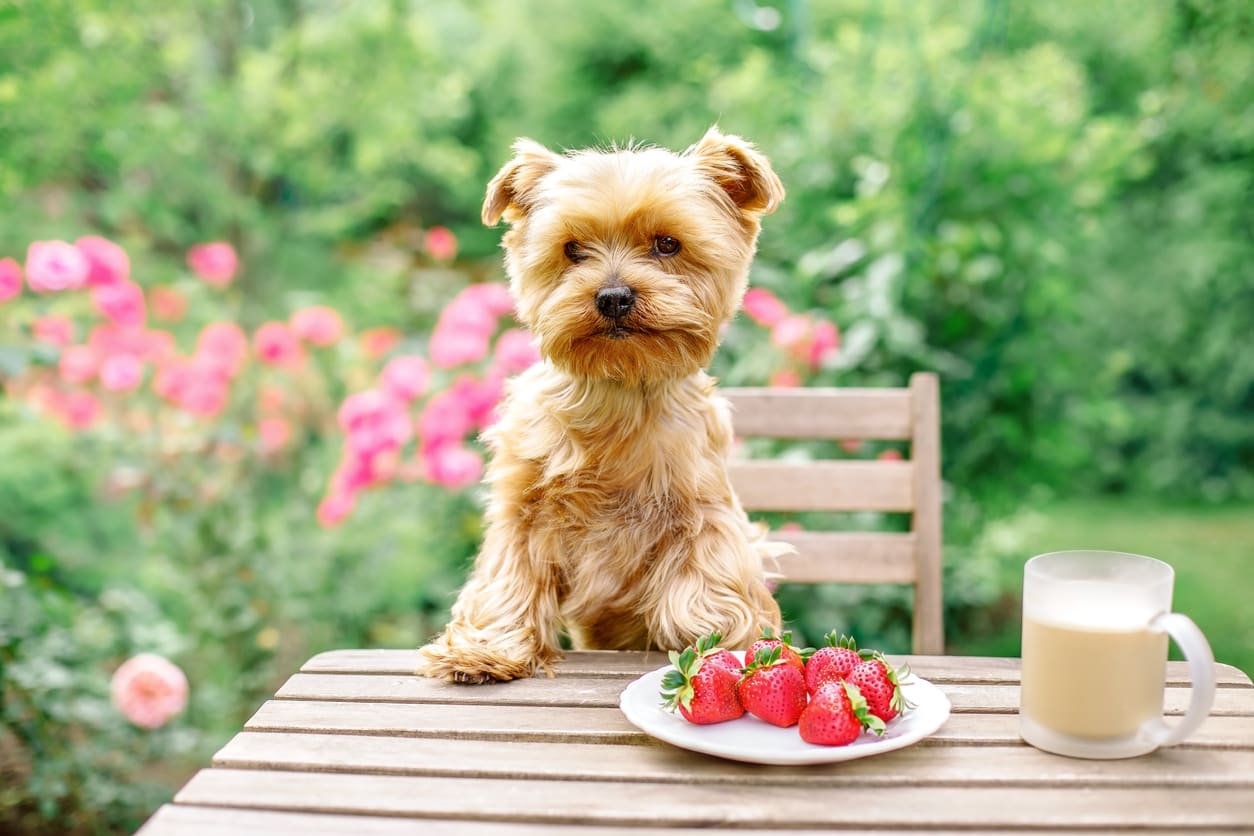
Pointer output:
250, 322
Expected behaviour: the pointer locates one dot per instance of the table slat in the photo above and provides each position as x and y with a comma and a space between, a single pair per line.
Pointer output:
604, 692
608, 725
1017, 765
656, 804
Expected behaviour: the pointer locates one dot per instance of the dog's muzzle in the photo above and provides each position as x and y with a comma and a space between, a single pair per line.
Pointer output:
615, 301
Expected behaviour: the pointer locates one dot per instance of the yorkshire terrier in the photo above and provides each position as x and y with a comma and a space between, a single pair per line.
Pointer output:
612, 516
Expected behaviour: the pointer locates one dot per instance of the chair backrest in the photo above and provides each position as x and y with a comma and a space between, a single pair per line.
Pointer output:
913, 485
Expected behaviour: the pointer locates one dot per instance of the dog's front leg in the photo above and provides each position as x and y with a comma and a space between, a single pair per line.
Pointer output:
712, 580
505, 622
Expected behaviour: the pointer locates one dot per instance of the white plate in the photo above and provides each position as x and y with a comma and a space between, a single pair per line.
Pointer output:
753, 741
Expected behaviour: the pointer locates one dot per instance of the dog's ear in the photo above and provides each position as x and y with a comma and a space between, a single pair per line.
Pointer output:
513, 184
740, 170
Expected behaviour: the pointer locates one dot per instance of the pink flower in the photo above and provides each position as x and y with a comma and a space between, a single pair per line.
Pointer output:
515, 352
785, 379
335, 508
892, 454
480, 397
454, 346
149, 690
374, 422
158, 346
319, 325
453, 466
223, 345
826, 341
445, 420
108, 263
196, 386
10, 279
440, 243
791, 527
791, 331
121, 373
79, 409
54, 329
851, 445
121, 302
377, 342
464, 330
215, 262
406, 377
168, 303
274, 433
276, 345
52, 266
763, 307
78, 364
492, 297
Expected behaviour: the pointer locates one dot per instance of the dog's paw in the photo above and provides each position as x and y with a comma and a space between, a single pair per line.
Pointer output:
471, 663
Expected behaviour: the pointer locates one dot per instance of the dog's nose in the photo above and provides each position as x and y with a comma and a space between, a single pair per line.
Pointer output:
616, 301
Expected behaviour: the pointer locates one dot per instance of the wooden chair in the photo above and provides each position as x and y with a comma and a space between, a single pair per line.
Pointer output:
911, 414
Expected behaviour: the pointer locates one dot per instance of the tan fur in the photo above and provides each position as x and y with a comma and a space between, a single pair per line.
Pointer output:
612, 516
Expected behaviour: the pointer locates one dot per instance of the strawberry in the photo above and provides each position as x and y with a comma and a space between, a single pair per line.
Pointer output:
707, 647
791, 655
836, 715
702, 690
880, 683
833, 662
772, 689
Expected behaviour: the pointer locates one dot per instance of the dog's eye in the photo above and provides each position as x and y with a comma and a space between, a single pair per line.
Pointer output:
665, 245
574, 252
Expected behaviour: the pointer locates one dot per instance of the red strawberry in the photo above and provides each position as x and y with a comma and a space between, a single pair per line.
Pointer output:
791, 655
703, 691
836, 716
833, 662
707, 647
772, 689
880, 683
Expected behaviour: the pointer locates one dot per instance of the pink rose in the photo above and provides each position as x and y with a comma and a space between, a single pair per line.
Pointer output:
121, 302
168, 303
274, 434
149, 690
277, 345
52, 266
335, 508
445, 420
480, 397
79, 409
453, 466
492, 297
785, 379
195, 386
851, 445
791, 331
455, 346
377, 342
374, 422
53, 329
223, 345
10, 279
440, 243
121, 373
826, 341
215, 262
319, 325
892, 454
515, 352
763, 307
406, 377
108, 263
158, 346
78, 364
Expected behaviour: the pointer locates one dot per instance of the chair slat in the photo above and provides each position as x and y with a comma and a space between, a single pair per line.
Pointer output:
847, 557
769, 485
882, 414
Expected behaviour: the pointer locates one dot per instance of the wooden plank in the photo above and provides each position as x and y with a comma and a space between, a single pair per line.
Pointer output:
604, 692
608, 725
632, 663
654, 804
928, 635
191, 820
1015, 765
823, 485
480, 722
820, 413
847, 557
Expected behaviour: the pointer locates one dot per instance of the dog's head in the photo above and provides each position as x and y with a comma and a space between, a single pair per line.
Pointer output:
626, 263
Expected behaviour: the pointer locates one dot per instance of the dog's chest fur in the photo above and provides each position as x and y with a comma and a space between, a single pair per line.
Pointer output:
613, 478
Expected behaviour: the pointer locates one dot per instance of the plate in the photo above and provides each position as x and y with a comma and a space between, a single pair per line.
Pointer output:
753, 741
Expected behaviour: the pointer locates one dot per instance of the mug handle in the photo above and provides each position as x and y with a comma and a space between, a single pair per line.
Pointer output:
1185, 633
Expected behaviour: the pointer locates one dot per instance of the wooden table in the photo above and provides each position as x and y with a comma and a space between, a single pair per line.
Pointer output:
355, 744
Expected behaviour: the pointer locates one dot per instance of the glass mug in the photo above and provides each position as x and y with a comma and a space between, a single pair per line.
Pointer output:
1095, 628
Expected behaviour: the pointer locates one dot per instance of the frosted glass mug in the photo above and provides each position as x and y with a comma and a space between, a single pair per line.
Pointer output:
1095, 629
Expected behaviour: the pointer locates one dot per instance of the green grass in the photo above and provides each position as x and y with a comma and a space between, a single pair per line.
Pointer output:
1211, 548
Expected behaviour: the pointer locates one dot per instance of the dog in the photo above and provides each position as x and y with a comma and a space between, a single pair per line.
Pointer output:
612, 516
